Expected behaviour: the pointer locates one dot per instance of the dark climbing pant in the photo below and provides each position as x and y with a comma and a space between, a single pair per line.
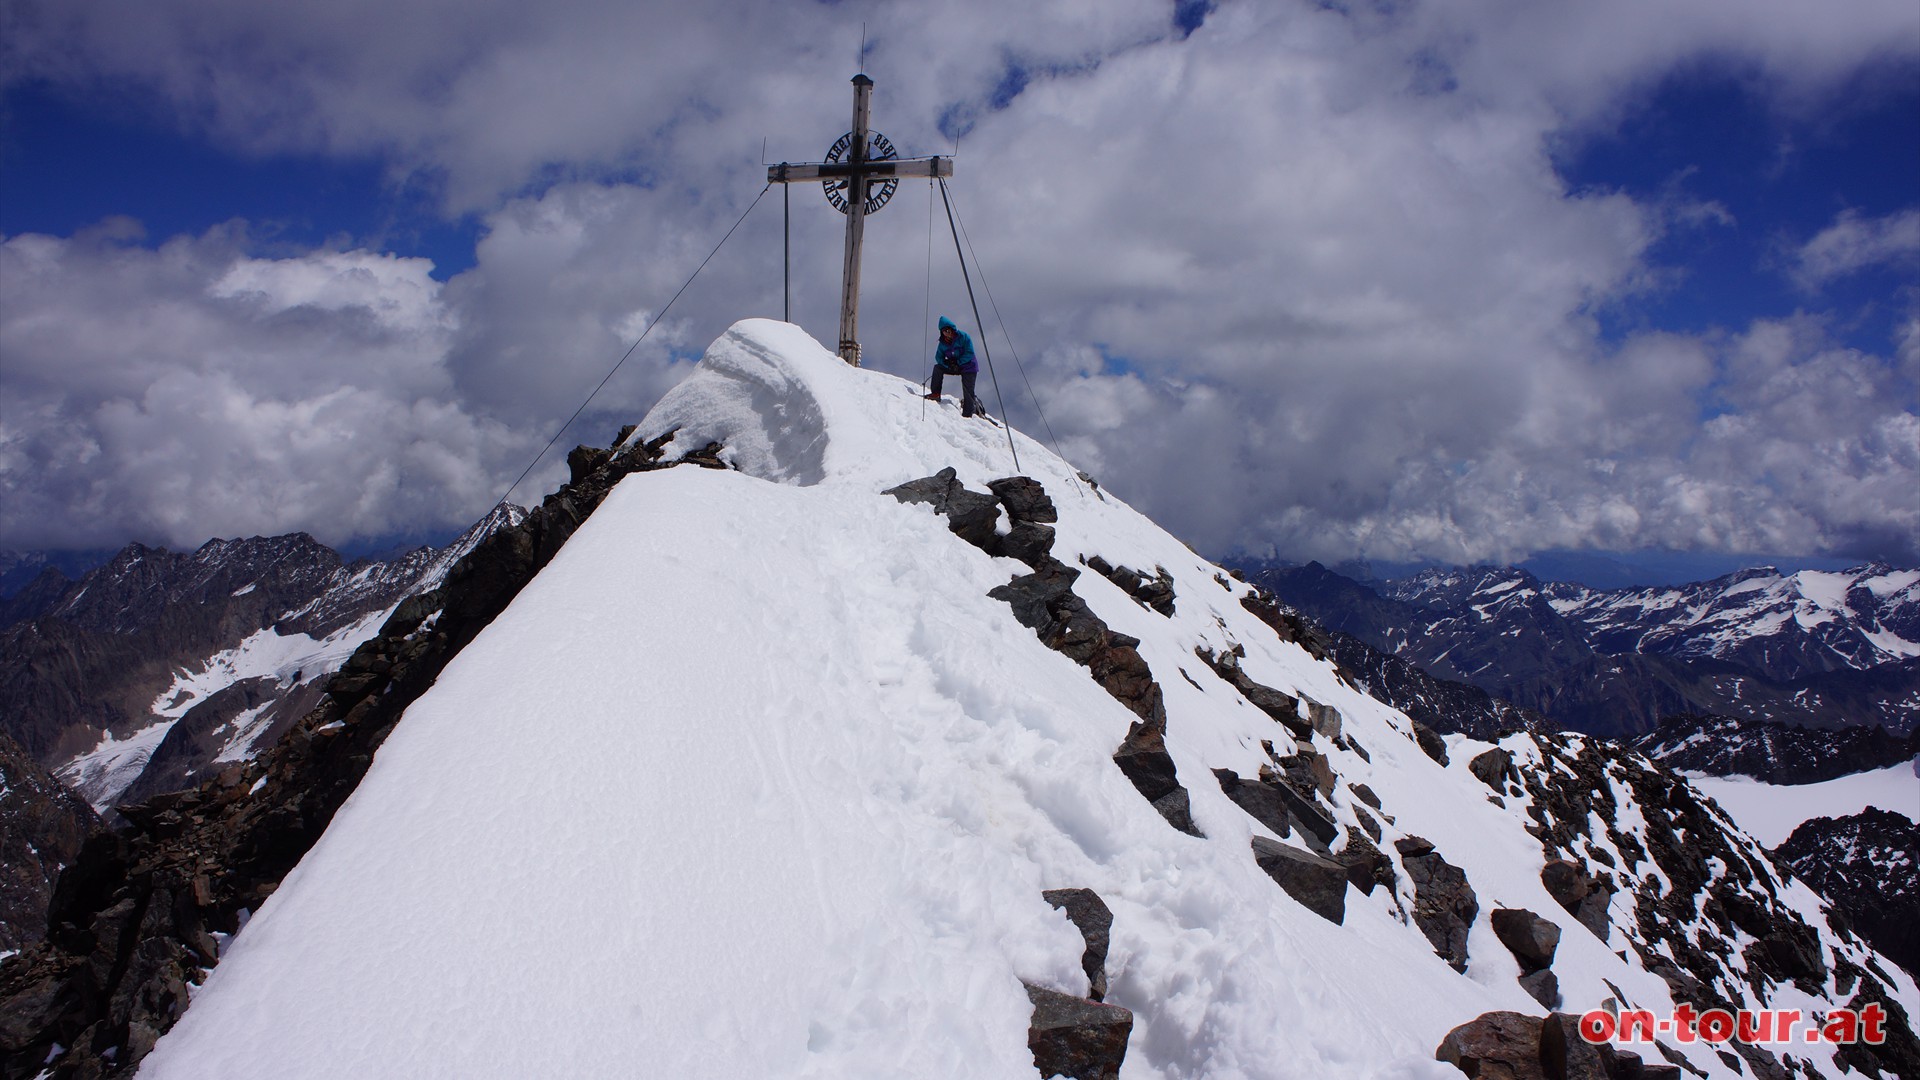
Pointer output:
967, 400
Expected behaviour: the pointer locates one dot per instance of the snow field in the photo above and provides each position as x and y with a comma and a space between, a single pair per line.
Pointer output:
104, 772
1770, 812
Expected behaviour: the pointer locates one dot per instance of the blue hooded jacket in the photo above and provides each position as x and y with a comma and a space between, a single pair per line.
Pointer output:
954, 357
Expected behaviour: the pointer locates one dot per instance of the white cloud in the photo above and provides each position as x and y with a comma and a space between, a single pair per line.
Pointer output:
1307, 277
189, 391
1854, 242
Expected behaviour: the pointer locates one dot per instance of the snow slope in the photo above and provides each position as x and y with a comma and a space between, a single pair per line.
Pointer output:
1770, 812
755, 780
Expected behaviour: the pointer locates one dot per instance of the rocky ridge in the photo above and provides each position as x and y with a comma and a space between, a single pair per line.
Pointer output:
1772, 752
142, 913
1642, 861
133, 680
1629, 851
1868, 864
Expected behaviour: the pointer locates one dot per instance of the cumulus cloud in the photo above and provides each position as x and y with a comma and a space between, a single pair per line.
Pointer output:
1305, 278
193, 390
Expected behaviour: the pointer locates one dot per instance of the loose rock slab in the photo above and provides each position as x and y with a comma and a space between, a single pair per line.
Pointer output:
1095, 921
1531, 939
1319, 884
1077, 1038
1444, 904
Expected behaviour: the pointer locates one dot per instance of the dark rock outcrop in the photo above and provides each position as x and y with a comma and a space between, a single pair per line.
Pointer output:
1152, 592
1444, 905
1095, 921
1288, 624
1515, 1046
1532, 940
1143, 757
1077, 1038
1280, 806
1262, 800
1494, 768
1865, 865
1319, 884
1543, 986
1367, 866
1583, 896
1044, 602
970, 515
1025, 499
42, 825
1775, 753
1278, 704
1495, 1046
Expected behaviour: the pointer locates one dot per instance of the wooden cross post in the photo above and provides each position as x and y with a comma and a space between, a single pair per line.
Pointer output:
860, 174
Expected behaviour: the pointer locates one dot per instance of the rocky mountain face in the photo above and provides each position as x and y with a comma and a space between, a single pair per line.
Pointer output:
1868, 864
1443, 705
1708, 907
138, 677
1772, 752
1785, 678
1820, 650
42, 824
1863, 864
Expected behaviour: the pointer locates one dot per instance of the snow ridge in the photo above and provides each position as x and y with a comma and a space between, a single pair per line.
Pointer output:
756, 779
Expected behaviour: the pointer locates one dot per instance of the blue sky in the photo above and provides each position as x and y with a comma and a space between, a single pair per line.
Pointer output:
69, 159
1708, 134
1458, 285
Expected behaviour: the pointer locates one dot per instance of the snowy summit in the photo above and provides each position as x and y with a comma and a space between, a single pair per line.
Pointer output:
756, 779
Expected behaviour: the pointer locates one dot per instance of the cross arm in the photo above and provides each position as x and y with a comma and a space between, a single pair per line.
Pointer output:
788, 173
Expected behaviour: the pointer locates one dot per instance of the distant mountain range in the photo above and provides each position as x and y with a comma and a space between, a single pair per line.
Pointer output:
1814, 648
160, 668
132, 680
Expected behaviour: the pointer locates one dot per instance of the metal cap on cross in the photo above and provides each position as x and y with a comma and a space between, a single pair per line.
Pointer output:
859, 174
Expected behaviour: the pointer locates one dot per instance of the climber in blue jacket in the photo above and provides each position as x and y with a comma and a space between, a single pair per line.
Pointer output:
954, 356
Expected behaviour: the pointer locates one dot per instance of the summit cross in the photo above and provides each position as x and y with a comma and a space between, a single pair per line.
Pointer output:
860, 174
